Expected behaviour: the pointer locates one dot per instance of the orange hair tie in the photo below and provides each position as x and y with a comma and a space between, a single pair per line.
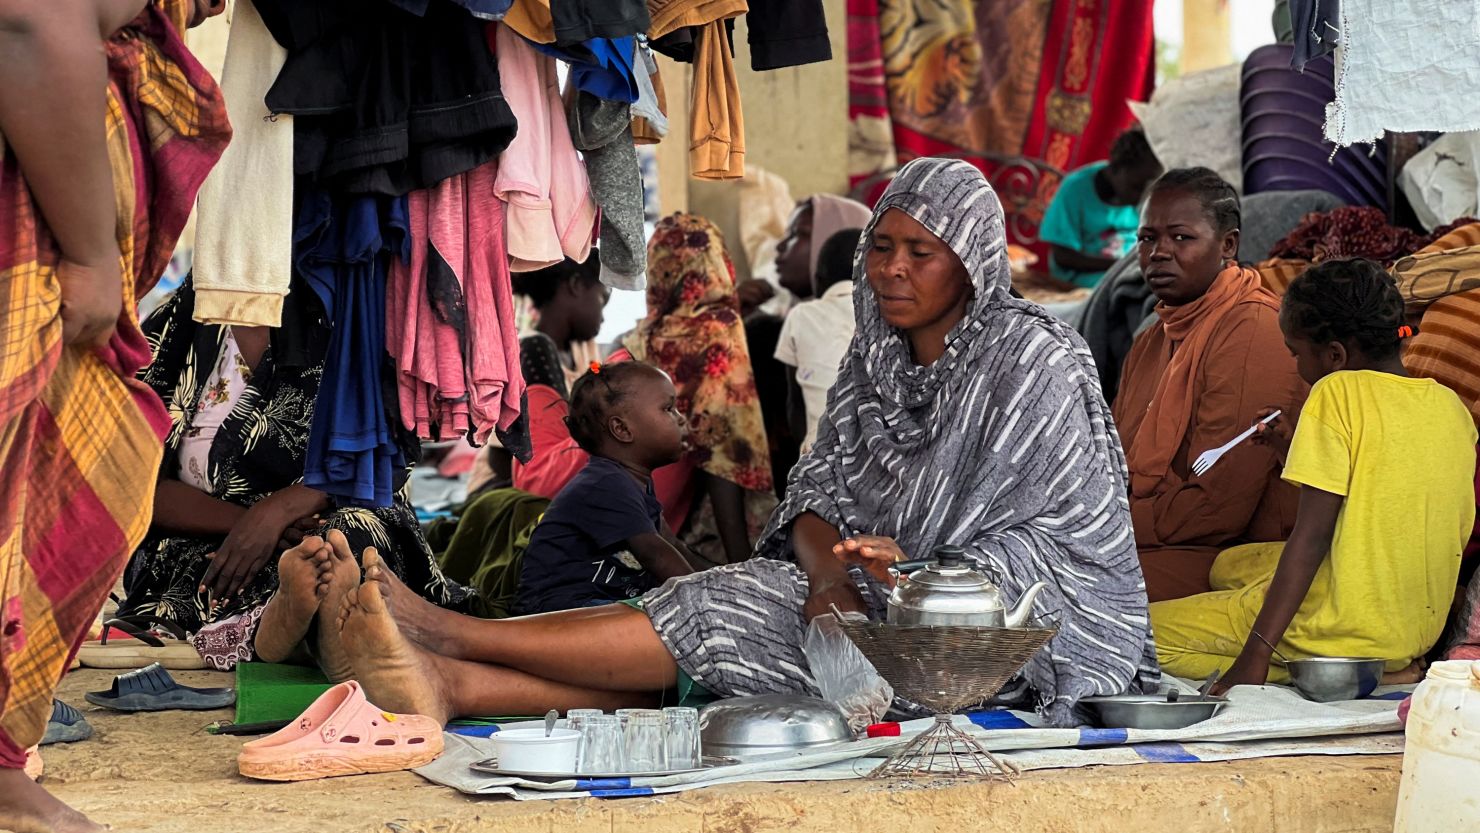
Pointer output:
1405, 331
596, 368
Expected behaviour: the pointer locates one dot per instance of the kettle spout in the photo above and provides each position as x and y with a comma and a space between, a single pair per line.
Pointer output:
1024, 608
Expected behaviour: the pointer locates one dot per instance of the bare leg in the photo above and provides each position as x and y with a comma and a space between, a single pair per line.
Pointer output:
303, 581
343, 580
26, 806
612, 648
401, 676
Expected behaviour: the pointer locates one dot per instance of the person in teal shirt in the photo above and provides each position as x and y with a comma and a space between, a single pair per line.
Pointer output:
1092, 220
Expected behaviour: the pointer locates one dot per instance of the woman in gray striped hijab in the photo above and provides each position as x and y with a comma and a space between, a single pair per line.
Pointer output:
960, 416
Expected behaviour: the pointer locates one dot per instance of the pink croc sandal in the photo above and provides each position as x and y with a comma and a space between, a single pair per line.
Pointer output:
342, 733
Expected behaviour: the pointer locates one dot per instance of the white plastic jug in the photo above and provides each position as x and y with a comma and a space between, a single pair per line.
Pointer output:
1440, 791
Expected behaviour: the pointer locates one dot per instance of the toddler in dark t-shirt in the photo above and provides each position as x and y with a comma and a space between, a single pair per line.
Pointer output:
603, 538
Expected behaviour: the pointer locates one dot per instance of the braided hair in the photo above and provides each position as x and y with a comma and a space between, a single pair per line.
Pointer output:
595, 395
1352, 301
1219, 200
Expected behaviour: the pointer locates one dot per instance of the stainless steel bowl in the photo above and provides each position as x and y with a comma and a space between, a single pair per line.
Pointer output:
1151, 711
750, 727
1328, 679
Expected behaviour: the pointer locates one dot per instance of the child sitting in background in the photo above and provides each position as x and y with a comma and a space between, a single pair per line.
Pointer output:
1385, 465
1093, 217
816, 335
603, 538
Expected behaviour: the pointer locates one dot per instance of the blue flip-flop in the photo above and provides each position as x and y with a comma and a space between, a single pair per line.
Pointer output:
67, 725
152, 689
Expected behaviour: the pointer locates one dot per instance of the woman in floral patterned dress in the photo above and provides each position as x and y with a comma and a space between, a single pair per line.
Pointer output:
693, 331
228, 500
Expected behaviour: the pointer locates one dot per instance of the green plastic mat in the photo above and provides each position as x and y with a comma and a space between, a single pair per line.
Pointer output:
270, 691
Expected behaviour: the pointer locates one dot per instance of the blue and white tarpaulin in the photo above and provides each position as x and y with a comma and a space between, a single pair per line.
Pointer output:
1260, 722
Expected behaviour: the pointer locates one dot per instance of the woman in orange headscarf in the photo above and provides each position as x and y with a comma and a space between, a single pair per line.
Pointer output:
693, 331
1207, 370
103, 144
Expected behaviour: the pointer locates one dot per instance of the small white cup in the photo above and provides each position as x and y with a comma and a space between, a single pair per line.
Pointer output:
528, 750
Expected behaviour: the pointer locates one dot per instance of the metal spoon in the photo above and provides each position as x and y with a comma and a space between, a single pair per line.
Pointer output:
1282, 658
1175, 695
550, 717
1208, 684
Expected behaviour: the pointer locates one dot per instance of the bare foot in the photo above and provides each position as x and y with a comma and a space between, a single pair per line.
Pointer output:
397, 676
344, 578
303, 581
1413, 673
26, 807
419, 620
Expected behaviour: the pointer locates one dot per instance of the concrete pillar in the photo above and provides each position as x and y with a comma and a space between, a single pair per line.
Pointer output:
1207, 40
673, 151
796, 119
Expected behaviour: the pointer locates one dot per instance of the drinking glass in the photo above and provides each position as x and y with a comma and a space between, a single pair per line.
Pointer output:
576, 718
681, 730
602, 749
623, 714
643, 738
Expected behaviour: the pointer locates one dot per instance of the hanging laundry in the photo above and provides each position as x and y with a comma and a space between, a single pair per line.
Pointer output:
650, 111
1404, 67
602, 130
717, 126
343, 246
669, 16
582, 20
677, 45
786, 33
601, 67
426, 327
244, 235
481, 9
386, 101
571, 22
451, 328
1315, 28
532, 20
551, 214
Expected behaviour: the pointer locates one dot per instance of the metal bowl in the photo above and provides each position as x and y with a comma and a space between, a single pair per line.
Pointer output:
750, 727
1152, 711
1328, 679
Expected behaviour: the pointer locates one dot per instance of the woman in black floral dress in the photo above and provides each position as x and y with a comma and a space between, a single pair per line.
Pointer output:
229, 499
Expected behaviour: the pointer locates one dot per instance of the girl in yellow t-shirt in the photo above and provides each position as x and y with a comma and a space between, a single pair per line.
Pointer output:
1385, 464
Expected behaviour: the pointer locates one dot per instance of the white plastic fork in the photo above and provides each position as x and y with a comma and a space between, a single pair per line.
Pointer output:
1208, 459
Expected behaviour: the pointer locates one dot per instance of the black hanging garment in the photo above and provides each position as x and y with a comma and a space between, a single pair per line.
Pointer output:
386, 101
577, 21
787, 33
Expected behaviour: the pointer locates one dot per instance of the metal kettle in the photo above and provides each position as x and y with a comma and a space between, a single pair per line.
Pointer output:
949, 590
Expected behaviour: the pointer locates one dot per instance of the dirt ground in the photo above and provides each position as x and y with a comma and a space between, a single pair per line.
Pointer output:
160, 772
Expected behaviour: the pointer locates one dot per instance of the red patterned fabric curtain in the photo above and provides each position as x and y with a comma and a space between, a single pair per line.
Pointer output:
1000, 82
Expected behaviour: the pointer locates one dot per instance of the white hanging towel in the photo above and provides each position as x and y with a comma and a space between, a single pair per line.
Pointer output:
1403, 66
244, 224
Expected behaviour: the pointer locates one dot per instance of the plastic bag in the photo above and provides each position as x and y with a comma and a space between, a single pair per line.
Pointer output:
845, 677
1195, 120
